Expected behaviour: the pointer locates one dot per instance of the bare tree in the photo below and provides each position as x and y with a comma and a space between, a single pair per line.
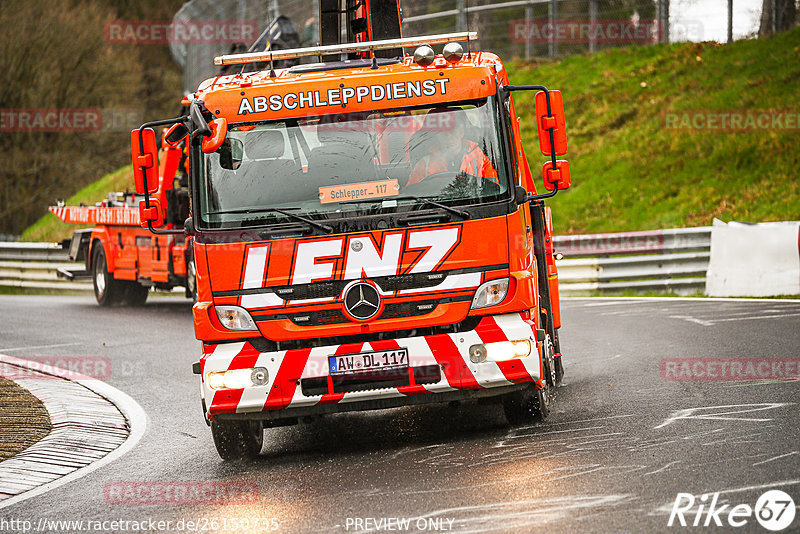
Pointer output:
777, 16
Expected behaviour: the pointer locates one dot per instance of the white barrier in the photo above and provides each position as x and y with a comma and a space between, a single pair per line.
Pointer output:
754, 260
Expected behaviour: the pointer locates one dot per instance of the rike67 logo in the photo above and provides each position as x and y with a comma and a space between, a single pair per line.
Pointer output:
774, 510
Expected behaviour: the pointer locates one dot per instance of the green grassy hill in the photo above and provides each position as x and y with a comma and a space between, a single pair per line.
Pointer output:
629, 172
50, 227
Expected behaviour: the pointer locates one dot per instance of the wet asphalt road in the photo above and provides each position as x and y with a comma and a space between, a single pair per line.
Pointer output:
621, 442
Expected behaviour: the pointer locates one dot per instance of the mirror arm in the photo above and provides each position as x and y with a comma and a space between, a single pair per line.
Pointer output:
144, 174
202, 128
163, 232
543, 195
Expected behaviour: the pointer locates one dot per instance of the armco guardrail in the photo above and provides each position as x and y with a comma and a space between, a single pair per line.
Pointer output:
657, 260
34, 265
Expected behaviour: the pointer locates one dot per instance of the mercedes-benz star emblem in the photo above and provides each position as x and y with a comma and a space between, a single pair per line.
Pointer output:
362, 300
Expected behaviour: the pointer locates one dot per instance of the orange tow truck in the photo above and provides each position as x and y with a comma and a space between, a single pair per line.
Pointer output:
365, 229
123, 259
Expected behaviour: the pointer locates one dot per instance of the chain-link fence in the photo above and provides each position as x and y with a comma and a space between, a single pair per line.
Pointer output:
544, 28
511, 28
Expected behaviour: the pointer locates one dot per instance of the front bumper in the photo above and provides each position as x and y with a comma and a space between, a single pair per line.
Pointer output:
440, 371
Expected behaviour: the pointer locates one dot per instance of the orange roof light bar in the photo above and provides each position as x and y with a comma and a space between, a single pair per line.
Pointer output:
277, 55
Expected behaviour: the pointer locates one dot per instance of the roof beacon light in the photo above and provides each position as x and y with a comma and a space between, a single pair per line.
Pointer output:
346, 48
424, 55
453, 52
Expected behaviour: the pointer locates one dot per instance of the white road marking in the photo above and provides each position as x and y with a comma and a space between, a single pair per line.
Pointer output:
40, 347
514, 434
678, 299
750, 316
509, 516
776, 458
663, 468
691, 319
135, 414
756, 317
691, 413
596, 304
762, 382
593, 420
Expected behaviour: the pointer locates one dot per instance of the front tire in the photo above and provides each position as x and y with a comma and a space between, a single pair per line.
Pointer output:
237, 440
532, 404
528, 406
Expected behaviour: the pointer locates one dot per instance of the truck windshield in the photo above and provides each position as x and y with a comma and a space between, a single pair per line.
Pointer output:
348, 165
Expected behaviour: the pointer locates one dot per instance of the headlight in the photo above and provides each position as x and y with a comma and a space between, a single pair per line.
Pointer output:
238, 378
490, 293
235, 318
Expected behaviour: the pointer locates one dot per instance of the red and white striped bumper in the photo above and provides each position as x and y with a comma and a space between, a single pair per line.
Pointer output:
293, 372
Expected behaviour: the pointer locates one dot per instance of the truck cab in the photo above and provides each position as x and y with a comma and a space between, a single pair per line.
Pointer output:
367, 235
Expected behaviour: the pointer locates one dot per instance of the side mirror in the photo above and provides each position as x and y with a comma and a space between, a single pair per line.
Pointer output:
558, 176
188, 227
175, 134
552, 121
520, 195
145, 161
212, 142
151, 214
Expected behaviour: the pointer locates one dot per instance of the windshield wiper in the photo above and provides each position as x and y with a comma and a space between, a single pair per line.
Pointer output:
460, 213
324, 227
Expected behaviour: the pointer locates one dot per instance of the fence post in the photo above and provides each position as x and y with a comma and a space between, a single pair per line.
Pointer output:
730, 21
593, 26
553, 15
528, 23
461, 22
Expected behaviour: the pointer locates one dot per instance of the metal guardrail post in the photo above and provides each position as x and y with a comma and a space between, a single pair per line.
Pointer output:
552, 48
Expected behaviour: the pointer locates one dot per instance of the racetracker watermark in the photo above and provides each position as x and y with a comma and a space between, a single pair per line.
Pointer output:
193, 32
585, 31
179, 493
736, 120
621, 243
398, 524
774, 510
69, 120
143, 524
729, 369
57, 367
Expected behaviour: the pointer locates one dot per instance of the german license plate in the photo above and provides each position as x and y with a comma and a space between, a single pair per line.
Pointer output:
368, 361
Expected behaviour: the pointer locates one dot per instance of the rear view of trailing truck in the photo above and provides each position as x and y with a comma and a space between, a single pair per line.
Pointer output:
366, 231
123, 259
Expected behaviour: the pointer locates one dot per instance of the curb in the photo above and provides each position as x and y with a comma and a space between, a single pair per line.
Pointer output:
93, 425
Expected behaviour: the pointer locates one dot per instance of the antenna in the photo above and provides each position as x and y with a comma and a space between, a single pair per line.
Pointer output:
466, 15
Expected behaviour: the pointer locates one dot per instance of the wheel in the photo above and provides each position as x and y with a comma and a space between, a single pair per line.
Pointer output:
135, 293
557, 360
549, 363
559, 370
527, 406
237, 440
191, 280
531, 404
107, 290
